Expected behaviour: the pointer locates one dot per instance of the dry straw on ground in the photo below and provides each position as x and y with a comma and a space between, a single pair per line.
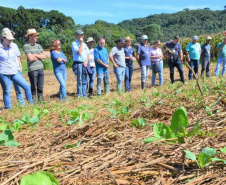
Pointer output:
111, 151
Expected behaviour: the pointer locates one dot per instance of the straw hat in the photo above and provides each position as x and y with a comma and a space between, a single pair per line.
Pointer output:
127, 38
31, 31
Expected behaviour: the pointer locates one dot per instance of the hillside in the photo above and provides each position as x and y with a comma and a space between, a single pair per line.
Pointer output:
183, 23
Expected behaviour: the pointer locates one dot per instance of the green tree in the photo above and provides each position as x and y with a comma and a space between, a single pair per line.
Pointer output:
153, 31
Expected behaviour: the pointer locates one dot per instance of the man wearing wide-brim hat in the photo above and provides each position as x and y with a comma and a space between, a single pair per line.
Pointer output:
205, 56
35, 55
91, 67
129, 56
80, 53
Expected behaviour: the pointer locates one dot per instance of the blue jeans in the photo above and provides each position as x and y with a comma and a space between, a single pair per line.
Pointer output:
19, 92
205, 67
160, 76
91, 78
179, 67
120, 76
194, 64
128, 78
100, 78
82, 74
144, 73
61, 76
6, 83
217, 70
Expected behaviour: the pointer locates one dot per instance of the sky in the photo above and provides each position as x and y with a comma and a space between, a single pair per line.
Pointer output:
114, 11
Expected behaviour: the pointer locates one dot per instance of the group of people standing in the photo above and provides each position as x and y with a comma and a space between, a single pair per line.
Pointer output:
89, 62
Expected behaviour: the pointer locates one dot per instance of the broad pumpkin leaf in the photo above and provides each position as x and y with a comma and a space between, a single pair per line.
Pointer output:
190, 155
34, 119
162, 130
37, 111
204, 159
39, 178
209, 151
179, 120
219, 160
7, 138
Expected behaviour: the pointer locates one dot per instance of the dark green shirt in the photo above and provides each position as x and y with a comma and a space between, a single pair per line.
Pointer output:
33, 49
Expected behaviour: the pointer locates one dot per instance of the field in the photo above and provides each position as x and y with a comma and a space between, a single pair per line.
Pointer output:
99, 140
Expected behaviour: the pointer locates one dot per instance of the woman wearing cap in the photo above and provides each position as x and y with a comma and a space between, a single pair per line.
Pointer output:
129, 56
9, 69
91, 68
59, 61
143, 58
156, 62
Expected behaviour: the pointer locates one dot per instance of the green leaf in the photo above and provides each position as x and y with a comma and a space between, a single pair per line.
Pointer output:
124, 110
140, 122
209, 151
179, 120
162, 130
39, 178
87, 116
44, 113
203, 159
219, 160
113, 112
7, 138
37, 110
151, 139
223, 149
69, 146
26, 118
190, 155
34, 119
194, 131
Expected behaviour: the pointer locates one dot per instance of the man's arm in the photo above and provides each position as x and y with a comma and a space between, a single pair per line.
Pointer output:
40, 56
220, 48
80, 47
113, 61
86, 62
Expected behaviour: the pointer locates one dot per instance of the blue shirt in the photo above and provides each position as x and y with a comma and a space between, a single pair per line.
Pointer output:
129, 52
58, 65
194, 50
145, 54
222, 53
8, 59
176, 48
101, 54
85, 51
206, 51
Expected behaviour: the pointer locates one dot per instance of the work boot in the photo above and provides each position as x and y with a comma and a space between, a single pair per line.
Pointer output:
143, 85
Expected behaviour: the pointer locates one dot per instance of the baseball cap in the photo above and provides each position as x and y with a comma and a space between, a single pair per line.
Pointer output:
208, 38
195, 38
121, 40
144, 37
79, 32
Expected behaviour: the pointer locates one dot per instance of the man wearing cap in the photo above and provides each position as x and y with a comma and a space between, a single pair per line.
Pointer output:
143, 58
205, 56
91, 68
117, 56
175, 57
35, 55
221, 48
193, 55
80, 53
129, 56
102, 66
